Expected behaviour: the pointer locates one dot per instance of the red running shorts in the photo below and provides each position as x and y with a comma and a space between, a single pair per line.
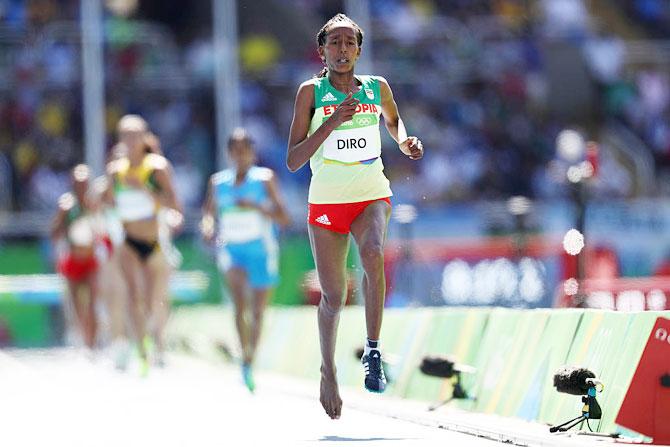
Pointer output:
337, 217
77, 269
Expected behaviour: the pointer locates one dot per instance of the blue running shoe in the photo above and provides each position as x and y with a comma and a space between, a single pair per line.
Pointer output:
375, 380
248, 377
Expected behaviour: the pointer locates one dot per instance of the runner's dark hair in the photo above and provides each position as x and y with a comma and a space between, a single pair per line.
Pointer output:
323, 33
240, 134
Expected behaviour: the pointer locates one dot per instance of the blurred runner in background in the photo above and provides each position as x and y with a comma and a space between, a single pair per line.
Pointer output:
78, 239
169, 222
111, 286
140, 183
245, 201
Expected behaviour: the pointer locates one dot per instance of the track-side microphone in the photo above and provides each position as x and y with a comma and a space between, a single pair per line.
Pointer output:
444, 366
579, 382
575, 380
437, 366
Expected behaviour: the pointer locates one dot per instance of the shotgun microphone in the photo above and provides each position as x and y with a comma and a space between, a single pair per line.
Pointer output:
437, 366
574, 380
443, 366
579, 382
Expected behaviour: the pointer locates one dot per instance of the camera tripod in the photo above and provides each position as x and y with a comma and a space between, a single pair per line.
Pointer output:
590, 410
458, 392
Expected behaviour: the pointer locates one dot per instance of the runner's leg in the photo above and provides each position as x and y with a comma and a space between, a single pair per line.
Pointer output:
369, 231
130, 266
260, 300
330, 254
158, 285
237, 283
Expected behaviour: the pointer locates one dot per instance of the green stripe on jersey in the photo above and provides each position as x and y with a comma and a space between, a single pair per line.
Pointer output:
358, 121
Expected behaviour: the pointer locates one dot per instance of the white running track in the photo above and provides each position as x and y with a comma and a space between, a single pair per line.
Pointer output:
60, 398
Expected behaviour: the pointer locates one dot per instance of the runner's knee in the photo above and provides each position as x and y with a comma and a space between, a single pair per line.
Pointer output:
332, 299
372, 253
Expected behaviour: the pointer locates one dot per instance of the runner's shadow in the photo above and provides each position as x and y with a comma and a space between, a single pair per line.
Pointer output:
340, 438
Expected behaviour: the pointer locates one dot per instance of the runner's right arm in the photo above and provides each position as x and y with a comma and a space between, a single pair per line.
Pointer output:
208, 221
59, 223
300, 146
107, 195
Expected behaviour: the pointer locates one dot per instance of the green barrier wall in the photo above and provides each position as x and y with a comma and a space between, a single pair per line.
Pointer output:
291, 334
295, 260
31, 324
351, 335
521, 370
557, 339
493, 353
22, 258
454, 332
28, 324
516, 352
404, 335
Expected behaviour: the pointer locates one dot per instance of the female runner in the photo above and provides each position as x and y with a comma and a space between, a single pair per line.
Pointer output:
336, 128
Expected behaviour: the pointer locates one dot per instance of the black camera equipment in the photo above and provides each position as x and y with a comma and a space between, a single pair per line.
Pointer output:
446, 368
579, 381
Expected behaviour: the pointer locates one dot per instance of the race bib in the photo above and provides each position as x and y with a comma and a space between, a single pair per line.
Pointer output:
354, 141
241, 226
135, 204
80, 232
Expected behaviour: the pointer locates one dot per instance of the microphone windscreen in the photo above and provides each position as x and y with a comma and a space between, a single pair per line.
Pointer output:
437, 366
572, 380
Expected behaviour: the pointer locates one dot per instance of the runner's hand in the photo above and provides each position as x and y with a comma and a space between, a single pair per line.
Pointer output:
207, 228
345, 110
246, 203
174, 220
412, 147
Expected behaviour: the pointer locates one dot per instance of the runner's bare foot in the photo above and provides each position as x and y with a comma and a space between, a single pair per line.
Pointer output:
330, 395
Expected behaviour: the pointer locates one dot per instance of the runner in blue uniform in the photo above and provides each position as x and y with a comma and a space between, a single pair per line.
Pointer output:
245, 202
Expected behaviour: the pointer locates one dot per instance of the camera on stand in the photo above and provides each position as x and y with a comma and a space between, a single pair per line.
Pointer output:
579, 381
446, 368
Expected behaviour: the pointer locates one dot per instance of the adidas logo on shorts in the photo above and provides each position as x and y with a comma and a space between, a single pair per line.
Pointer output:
328, 97
323, 220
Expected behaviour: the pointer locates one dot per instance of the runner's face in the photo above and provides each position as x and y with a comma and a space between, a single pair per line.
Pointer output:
341, 49
133, 139
241, 154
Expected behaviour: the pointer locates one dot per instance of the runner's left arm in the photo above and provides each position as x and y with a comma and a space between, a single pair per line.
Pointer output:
167, 196
409, 145
278, 212
58, 225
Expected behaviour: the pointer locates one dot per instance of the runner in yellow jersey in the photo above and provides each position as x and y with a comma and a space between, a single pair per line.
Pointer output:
336, 128
140, 184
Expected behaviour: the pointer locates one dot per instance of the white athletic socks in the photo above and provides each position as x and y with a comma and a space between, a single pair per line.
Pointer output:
371, 344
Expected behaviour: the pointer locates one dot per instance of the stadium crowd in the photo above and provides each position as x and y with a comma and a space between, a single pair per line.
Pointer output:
471, 75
